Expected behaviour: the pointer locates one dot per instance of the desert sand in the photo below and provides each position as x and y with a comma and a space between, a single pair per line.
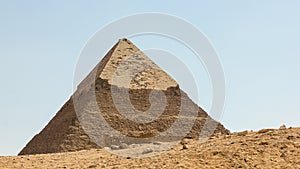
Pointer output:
267, 148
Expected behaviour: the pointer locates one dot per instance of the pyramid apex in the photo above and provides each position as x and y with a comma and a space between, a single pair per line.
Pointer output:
124, 40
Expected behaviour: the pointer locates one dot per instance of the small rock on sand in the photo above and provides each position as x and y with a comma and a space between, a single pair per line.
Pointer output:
147, 150
114, 147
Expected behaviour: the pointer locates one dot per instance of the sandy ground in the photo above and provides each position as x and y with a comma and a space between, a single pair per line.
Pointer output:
266, 148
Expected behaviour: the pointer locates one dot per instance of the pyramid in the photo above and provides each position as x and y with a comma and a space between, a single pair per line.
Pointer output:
126, 98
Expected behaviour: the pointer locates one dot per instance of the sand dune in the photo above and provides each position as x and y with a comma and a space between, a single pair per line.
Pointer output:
267, 148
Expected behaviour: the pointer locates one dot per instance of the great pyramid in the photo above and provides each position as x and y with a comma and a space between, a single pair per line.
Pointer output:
137, 100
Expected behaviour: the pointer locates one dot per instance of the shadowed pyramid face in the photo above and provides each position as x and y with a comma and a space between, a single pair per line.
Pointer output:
125, 99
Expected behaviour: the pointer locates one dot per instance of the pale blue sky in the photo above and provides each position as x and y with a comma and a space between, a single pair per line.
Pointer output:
257, 42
